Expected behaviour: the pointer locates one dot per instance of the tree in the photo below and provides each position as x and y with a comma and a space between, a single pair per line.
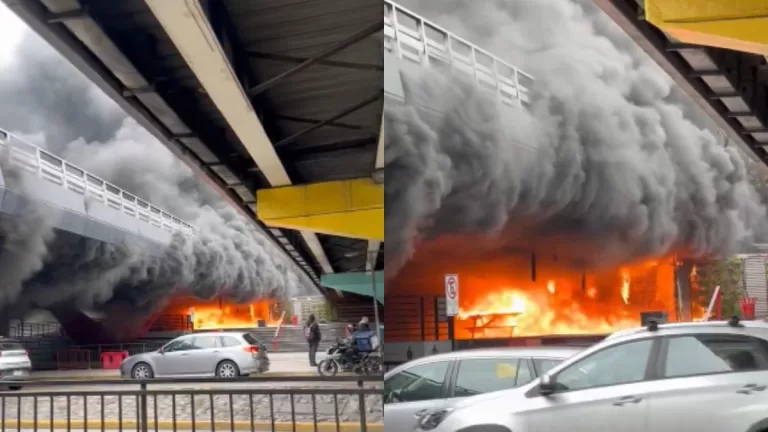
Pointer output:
729, 275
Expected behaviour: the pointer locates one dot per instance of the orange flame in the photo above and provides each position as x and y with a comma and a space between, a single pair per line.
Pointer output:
566, 303
216, 314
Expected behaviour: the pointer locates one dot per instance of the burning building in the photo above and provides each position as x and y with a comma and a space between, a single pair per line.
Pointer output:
570, 212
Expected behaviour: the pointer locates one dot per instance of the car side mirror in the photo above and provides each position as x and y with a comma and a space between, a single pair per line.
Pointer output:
547, 385
161, 351
394, 397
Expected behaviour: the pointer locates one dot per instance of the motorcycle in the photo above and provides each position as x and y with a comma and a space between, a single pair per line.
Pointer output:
342, 356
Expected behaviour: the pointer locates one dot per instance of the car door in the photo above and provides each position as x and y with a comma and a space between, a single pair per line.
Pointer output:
604, 391
171, 359
412, 392
205, 357
718, 380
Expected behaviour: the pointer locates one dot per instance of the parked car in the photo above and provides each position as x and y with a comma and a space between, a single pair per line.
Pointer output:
434, 383
220, 354
704, 377
15, 364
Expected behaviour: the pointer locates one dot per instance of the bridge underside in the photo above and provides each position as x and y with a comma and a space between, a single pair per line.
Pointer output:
286, 94
730, 86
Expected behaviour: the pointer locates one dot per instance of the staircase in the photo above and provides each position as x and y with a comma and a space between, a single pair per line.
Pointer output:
291, 338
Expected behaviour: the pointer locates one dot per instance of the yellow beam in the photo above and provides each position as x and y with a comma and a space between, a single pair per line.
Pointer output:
736, 25
347, 208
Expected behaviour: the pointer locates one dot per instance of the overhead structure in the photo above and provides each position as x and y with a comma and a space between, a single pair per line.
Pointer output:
251, 95
734, 25
348, 208
729, 85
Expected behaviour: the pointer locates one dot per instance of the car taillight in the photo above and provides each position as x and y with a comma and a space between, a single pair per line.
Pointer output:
251, 349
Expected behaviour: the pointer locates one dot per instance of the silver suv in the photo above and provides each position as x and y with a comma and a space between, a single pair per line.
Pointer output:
217, 354
703, 377
437, 382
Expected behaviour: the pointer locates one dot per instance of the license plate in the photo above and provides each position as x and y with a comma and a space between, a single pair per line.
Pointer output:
18, 372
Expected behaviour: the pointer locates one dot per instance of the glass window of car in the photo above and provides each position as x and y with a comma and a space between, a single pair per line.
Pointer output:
619, 364
524, 373
205, 342
181, 344
416, 383
709, 354
251, 339
543, 365
229, 341
484, 375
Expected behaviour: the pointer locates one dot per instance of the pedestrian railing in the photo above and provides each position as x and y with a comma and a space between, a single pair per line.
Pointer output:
264, 403
49, 167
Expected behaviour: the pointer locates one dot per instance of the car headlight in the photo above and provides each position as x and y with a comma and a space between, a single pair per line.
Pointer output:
432, 420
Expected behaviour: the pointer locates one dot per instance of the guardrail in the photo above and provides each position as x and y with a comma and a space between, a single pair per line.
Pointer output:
342, 403
413, 38
53, 169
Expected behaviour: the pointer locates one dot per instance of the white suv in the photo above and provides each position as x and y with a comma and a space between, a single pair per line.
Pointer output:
702, 377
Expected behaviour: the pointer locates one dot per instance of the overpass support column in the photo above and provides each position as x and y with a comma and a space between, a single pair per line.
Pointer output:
736, 25
347, 208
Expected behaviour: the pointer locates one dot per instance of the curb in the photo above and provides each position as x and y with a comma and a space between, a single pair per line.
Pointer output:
117, 378
188, 425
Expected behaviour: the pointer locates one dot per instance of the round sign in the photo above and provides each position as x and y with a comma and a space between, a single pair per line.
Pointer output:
451, 288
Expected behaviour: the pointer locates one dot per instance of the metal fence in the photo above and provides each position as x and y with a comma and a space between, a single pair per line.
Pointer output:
341, 403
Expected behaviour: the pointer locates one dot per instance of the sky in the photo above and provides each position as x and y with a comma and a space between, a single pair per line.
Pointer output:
11, 31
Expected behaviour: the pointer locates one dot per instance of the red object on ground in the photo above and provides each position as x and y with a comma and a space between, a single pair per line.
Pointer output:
748, 307
112, 359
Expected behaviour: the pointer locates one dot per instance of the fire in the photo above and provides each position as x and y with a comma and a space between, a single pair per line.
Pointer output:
220, 314
566, 302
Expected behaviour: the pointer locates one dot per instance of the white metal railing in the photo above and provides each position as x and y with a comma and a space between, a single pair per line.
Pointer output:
45, 165
413, 38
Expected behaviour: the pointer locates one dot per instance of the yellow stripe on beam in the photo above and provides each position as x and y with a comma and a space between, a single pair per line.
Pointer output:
347, 208
736, 25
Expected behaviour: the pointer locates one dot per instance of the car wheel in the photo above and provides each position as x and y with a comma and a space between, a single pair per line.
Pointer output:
142, 371
227, 369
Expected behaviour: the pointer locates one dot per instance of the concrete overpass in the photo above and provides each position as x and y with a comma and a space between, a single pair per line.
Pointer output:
78, 202
412, 42
277, 104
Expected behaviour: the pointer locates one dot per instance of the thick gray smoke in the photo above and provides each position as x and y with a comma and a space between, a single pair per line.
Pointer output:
46, 101
607, 162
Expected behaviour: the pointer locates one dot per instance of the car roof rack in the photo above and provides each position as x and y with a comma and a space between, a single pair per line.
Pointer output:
653, 325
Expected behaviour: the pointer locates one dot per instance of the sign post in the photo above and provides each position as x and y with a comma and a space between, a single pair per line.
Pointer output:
451, 304
451, 295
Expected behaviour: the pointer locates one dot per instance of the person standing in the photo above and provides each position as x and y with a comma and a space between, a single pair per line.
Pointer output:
312, 334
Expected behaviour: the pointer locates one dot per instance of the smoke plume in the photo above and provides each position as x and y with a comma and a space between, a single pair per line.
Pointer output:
609, 163
47, 102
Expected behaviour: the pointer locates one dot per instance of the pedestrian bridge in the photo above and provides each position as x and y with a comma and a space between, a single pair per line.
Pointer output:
70, 199
411, 42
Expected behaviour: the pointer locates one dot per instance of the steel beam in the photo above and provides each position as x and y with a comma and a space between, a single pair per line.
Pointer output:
221, 66
300, 60
355, 38
345, 112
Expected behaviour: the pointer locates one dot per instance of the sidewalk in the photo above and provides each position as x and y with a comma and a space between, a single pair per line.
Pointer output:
281, 363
